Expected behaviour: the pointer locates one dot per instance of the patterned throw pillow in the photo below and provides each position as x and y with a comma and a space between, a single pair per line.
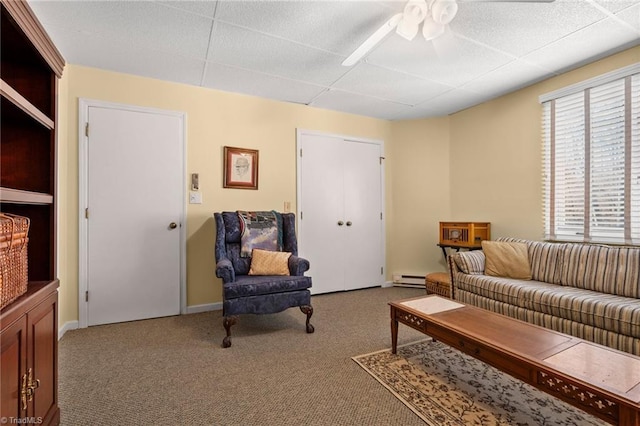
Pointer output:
261, 230
265, 262
470, 262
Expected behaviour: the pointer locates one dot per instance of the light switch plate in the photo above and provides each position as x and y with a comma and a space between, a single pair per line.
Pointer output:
195, 197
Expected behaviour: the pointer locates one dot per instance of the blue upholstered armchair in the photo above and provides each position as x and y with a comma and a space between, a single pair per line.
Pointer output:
258, 294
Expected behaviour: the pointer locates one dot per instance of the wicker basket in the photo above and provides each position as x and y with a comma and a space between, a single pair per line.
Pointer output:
438, 283
14, 231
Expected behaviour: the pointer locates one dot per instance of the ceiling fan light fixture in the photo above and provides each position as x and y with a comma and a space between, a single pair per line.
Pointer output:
431, 29
443, 11
407, 30
414, 12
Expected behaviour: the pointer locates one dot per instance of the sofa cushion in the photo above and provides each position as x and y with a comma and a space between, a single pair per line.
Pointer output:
606, 311
609, 312
470, 262
598, 335
605, 269
252, 285
506, 259
507, 290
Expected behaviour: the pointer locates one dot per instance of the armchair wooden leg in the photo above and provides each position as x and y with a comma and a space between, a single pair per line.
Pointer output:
228, 322
308, 310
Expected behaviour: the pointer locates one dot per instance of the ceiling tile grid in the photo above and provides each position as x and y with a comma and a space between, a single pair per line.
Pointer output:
240, 47
292, 50
234, 79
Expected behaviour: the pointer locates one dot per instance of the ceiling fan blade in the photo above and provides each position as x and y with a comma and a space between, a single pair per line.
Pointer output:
373, 39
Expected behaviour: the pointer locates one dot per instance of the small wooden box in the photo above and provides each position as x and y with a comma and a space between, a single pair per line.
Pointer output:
469, 234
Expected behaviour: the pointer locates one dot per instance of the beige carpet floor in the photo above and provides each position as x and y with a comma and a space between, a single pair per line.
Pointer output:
448, 388
173, 371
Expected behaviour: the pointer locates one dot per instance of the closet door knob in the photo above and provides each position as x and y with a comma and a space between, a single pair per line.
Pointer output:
349, 223
340, 223
173, 225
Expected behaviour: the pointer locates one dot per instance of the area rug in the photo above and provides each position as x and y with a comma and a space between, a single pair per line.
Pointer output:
446, 387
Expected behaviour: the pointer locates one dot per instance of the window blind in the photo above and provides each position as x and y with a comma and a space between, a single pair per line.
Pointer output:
591, 162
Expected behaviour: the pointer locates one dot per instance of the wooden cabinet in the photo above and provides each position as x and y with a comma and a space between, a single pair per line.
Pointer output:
30, 67
29, 356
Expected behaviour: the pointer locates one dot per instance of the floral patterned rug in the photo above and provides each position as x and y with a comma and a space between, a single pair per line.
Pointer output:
446, 387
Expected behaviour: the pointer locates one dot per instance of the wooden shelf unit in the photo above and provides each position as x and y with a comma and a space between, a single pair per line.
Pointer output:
30, 67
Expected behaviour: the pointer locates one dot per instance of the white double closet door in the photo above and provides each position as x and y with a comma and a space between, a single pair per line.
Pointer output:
340, 206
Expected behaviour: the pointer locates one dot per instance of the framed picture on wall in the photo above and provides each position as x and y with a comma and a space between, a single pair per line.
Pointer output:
240, 168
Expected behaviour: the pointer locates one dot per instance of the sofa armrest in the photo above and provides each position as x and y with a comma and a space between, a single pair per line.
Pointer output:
453, 270
224, 270
464, 262
297, 265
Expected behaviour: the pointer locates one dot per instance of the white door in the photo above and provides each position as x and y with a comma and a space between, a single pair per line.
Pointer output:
134, 200
363, 215
322, 207
340, 203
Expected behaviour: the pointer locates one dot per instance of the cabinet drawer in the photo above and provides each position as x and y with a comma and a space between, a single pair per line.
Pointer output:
503, 362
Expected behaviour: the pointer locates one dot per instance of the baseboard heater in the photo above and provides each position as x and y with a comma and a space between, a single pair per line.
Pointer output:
406, 280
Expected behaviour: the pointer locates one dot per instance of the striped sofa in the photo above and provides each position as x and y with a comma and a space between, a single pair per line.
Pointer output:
589, 291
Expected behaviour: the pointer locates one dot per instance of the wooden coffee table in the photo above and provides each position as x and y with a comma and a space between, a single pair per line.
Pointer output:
599, 380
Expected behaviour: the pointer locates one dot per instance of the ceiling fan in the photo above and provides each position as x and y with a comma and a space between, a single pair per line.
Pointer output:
434, 14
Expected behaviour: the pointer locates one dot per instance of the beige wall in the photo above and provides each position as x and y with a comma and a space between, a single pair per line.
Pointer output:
495, 152
420, 196
482, 164
214, 119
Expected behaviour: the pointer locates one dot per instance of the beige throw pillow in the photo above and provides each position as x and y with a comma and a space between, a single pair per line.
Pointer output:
509, 260
265, 262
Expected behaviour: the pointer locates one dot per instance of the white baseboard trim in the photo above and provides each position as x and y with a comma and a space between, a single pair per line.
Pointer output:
196, 309
69, 325
387, 284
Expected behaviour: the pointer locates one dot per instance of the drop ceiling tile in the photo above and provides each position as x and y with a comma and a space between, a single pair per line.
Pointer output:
99, 52
335, 26
232, 79
515, 27
631, 16
370, 80
616, 5
339, 100
250, 50
201, 7
512, 76
448, 60
449, 103
584, 46
291, 50
145, 24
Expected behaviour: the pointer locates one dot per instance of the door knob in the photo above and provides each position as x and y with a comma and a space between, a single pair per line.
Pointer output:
173, 225
340, 223
349, 223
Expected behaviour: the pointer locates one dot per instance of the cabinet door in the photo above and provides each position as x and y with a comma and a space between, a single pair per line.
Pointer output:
43, 355
13, 361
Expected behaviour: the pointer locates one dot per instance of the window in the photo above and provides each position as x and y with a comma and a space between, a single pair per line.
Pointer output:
591, 160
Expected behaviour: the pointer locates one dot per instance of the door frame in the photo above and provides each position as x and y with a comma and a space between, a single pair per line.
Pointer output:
83, 193
383, 223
